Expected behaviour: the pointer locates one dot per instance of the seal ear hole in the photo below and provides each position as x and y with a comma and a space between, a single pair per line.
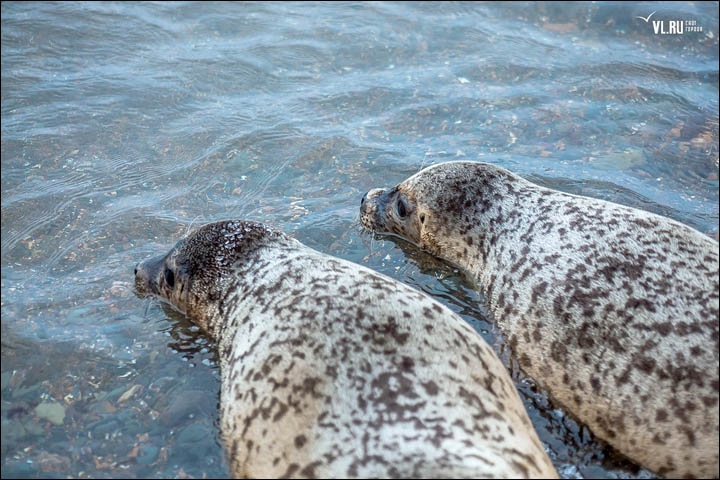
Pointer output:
422, 218
169, 277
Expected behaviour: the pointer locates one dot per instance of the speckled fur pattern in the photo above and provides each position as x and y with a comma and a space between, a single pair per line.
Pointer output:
332, 370
612, 310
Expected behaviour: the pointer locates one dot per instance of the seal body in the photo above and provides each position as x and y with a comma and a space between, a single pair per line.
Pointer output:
332, 370
613, 310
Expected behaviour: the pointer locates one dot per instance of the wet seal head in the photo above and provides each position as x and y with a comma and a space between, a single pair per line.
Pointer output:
436, 205
198, 270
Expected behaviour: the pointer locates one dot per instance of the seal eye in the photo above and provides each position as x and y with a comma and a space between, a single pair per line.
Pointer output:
401, 209
169, 277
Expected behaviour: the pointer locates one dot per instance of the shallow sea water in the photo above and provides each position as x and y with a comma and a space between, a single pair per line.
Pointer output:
124, 125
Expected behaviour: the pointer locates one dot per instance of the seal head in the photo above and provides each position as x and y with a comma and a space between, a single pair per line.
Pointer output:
195, 274
445, 209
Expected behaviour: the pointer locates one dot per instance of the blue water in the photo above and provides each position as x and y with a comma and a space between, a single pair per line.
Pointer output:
123, 125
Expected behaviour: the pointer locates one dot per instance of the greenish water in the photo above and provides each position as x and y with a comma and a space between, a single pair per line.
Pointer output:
125, 124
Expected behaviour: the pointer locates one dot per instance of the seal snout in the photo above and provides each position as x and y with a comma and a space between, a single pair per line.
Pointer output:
146, 274
372, 208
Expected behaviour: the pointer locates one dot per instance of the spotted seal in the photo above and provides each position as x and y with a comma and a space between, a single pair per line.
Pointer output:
613, 310
329, 369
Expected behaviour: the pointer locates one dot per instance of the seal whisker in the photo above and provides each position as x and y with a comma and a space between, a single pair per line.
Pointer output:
188, 229
146, 308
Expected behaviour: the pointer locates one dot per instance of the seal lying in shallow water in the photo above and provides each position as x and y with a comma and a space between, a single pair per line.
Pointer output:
614, 311
332, 370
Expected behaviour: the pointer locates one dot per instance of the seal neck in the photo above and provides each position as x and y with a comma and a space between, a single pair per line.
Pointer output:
485, 229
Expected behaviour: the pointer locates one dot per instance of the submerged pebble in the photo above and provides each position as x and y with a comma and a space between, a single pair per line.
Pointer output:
147, 454
51, 411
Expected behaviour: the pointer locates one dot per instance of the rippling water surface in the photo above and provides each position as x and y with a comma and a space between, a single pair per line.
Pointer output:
123, 125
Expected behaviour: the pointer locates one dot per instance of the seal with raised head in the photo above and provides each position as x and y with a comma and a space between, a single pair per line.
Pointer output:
612, 310
329, 369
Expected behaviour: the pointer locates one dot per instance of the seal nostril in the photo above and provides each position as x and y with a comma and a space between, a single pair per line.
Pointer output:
136, 270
